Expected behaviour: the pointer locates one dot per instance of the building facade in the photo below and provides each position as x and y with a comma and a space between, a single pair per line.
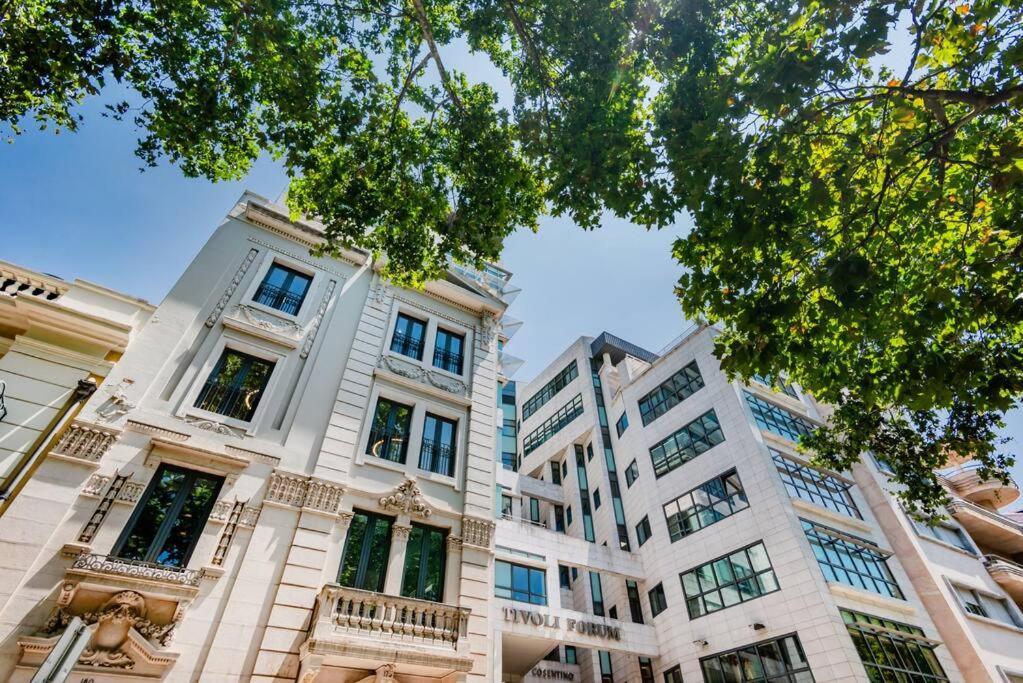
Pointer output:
298, 472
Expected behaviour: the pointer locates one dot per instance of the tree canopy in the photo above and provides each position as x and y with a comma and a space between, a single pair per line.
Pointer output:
852, 169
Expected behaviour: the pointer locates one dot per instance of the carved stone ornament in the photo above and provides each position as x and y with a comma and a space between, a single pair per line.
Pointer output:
121, 613
400, 532
380, 291
412, 371
233, 285
488, 330
85, 442
211, 426
131, 492
477, 532
314, 324
407, 499
95, 485
267, 321
295, 490
385, 674
118, 403
3, 407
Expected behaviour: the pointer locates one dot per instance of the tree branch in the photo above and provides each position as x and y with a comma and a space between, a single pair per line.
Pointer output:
424, 26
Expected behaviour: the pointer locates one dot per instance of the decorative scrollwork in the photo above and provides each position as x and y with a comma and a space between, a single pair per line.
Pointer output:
85, 442
233, 285
407, 499
104, 564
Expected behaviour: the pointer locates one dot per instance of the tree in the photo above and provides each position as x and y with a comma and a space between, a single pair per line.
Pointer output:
855, 205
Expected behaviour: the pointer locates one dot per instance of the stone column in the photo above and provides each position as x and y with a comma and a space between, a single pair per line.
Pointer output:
396, 562
452, 569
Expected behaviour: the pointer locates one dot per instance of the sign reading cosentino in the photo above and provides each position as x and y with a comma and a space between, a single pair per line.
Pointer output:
590, 628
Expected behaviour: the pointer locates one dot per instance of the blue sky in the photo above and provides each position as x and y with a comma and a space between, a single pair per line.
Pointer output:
76, 205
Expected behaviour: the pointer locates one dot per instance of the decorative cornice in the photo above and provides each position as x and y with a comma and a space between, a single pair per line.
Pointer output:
155, 430
253, 455
264, 324
408, 499
344, 519
302, 259
454, 544
400, 532
477, 532
208, 425
436, 311
104, 564
231, 287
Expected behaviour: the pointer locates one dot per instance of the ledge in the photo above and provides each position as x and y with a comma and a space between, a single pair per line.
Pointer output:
866, 597
831, 515
202, 458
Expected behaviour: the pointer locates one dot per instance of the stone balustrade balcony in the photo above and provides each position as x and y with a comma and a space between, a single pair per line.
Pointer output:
354, 628
1007, 574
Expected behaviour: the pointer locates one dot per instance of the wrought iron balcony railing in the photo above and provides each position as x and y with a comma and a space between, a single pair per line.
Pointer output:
447, 360
438, 457
228, 399
407, 345
279, 298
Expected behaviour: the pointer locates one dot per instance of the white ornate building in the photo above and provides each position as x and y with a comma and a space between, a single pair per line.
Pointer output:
298, 472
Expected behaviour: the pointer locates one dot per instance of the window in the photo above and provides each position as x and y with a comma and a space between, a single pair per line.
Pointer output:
646, 670
596, 499
534, 510
283, 288
388, 435
437, 453
509, 428
506, 506
408, 336
570, 655
631, 474
676, 389
643, 531
892, 651
673, 675
556, 473
658, 603
596, 594
778, 384
697, 437
166, 525
622, 424
589, 451
851, 560
510, 461
524, 584
364, 561
447, 352
568, 515
708, 503
635, 608
737, 577
235, 386
613, 612
779, 661
564, 577
777, 420
559, 518
606, 675
425, 557
946, 532
584, 495
548, 391
985, 605
815, 486
552, 425
553, 656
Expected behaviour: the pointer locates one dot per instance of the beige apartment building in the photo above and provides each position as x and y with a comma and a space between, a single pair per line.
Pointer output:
296, 471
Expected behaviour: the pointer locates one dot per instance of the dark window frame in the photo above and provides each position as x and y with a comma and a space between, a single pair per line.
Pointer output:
816, 486
657, 599
224, 398
405, 342
529, 583
830, 546
673, 675
157, 544
894, 648
686, 443
389, 432
432, 450
366, 550
780, 421
631, 473
422, 574
670, 393
444, 357
789, 675
550, 389
622, 424
552, 425
696, 512
732, 583
280, 297
635, 606
643, 530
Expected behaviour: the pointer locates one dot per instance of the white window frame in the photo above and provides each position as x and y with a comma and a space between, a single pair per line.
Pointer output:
1013, 610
